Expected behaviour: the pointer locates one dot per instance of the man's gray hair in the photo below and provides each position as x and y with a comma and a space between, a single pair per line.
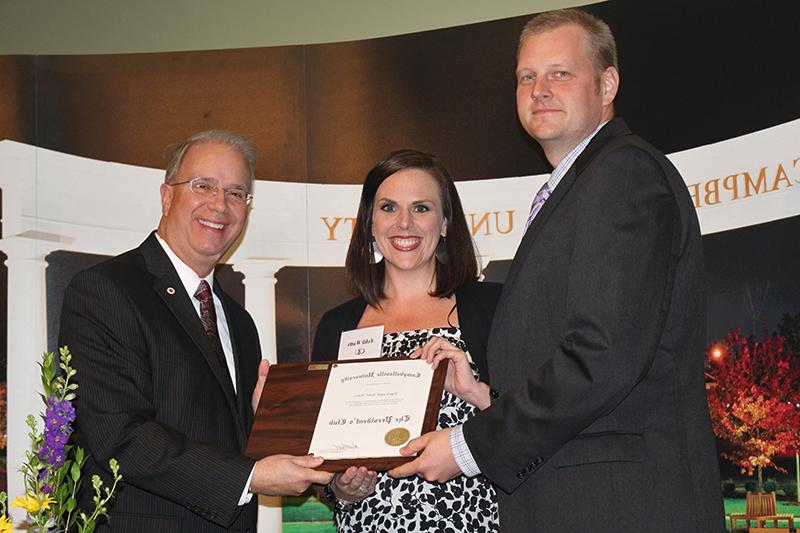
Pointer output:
238, 141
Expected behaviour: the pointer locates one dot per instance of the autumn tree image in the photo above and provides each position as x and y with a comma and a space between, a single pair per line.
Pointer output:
754, 399
789, 328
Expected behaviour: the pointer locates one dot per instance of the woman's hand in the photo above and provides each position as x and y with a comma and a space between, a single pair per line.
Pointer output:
460, 380
354, 484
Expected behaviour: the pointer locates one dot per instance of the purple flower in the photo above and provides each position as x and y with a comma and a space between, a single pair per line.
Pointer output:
52, 420
65, 409
55, 439
59, 415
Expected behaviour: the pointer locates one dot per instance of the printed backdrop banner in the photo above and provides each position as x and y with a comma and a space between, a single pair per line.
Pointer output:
706, 82
53, 201
738, 182
57, 199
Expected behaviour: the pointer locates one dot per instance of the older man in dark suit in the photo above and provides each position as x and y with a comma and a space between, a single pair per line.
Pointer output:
600, 421
168, 363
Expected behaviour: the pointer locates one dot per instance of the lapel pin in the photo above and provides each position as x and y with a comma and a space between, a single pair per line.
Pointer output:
170, 290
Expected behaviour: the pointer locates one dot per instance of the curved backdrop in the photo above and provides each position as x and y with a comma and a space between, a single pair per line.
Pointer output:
711, 83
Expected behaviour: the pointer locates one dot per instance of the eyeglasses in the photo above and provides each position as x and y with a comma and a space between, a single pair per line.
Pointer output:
210, 187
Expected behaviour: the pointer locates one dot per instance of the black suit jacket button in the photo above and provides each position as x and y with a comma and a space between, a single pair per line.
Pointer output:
521, 474
538, 461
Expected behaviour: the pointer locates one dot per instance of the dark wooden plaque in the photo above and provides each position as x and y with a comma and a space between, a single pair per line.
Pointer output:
288, 409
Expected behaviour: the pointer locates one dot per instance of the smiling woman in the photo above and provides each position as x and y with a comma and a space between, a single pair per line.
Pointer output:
430, 206
408, 223
412, 262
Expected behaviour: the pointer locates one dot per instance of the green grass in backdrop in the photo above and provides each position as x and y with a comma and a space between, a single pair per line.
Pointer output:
309, 515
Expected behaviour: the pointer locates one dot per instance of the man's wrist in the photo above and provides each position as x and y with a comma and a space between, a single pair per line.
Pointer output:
247, 494
461, 453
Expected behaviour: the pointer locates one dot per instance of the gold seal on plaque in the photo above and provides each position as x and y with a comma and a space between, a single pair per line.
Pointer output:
397, 436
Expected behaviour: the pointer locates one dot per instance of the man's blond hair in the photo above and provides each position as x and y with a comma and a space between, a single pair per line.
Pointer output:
599, 39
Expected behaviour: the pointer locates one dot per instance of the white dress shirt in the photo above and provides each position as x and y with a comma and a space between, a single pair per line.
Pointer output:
190, 281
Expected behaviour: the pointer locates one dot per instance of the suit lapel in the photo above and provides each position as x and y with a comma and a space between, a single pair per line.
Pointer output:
170, 289
535, 228
615, 128
242, 399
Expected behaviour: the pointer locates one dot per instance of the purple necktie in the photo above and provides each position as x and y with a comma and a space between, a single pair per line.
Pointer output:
208, 316
538, 201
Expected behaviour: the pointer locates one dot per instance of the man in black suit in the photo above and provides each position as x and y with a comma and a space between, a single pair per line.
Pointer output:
600, 421
168, 363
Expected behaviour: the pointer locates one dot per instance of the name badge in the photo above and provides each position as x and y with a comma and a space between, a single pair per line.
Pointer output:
361, 343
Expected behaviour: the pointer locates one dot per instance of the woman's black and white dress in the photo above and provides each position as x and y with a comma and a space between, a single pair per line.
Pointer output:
413, 504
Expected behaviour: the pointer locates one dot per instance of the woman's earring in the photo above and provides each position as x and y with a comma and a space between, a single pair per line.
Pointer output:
441, 251
376, 255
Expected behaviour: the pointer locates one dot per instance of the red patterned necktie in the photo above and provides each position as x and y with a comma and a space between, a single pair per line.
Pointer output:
208, 316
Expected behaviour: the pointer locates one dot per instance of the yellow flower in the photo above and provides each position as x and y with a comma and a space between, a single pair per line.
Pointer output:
31, 503
5, 525
28, 503
46, 503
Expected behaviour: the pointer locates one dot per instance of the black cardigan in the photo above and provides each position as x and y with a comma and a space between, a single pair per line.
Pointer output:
475, 301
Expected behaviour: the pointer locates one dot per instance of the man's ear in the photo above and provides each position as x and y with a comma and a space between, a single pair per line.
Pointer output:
166, 198
609, 85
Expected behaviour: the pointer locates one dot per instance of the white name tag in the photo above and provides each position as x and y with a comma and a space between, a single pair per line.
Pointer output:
361, 343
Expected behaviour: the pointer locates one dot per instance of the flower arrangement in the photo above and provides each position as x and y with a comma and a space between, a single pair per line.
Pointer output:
52, 469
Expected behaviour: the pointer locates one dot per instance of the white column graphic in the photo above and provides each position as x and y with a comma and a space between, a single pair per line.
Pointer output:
259, 300
27, 339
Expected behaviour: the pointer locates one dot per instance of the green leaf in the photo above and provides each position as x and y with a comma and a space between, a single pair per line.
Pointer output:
75, 472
